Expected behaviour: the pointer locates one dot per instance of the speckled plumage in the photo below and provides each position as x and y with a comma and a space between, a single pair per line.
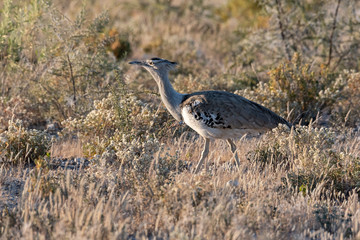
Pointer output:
222, 115
213, 114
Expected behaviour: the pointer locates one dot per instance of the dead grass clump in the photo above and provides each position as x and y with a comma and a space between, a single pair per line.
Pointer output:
311, 156
348, 107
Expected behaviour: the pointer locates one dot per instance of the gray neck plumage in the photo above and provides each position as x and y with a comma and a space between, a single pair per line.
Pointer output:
169, 96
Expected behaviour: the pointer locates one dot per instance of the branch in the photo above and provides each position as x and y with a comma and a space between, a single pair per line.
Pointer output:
342, 56
72, 77
282, 30
332, 33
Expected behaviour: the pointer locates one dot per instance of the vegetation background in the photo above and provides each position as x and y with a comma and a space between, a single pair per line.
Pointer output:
87, 150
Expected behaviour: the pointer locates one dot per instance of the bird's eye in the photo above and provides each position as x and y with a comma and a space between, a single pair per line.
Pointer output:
151, 63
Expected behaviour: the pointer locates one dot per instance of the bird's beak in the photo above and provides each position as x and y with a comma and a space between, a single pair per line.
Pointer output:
136, 62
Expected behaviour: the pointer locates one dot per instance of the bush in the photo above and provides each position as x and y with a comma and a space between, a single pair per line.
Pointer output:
19, 145
297, 91
19, 107
321, 31
247, 12
59, 65
121, 117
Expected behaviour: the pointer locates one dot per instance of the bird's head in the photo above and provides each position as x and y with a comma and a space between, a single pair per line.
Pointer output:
156, 65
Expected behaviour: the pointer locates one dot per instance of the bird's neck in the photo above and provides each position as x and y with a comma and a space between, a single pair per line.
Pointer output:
171, 98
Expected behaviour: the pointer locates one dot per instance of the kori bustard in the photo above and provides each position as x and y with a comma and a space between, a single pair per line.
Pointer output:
213, 114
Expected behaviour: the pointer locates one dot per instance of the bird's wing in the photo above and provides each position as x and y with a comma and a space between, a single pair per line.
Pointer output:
219, 109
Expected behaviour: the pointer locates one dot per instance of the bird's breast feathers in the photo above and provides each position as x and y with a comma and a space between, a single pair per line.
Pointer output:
211, 125
207, 122
198, 111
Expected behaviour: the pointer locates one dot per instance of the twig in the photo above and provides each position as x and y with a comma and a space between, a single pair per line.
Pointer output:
332, 33
342, 56
72, 77
282, 30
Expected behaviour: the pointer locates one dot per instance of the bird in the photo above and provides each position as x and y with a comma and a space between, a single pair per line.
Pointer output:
212, 114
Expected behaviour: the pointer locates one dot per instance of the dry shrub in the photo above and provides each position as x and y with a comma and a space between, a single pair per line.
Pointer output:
19, 108
19, 145
247, 12
121, 117
61, 64
297, 91
122, 131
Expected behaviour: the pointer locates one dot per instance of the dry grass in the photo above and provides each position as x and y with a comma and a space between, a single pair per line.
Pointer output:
222, 202
66, 62
69, 148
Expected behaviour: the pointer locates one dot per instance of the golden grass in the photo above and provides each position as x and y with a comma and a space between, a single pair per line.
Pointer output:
68, 148
138, 183
221, 202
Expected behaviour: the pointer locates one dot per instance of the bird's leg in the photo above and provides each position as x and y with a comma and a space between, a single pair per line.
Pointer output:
233, 150
203, 155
